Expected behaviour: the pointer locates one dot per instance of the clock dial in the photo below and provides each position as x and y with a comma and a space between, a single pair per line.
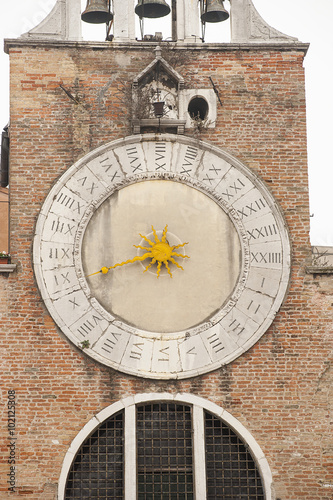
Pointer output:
165, 305
130, 200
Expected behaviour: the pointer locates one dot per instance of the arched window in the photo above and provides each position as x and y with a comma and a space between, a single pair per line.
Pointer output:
161, 447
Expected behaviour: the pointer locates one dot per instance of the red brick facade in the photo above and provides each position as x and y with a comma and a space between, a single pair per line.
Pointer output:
280, 388
4, 203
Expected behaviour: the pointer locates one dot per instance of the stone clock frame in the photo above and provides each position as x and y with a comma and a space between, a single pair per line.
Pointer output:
244, 316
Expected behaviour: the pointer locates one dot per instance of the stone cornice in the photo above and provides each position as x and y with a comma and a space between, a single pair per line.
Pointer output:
256, 46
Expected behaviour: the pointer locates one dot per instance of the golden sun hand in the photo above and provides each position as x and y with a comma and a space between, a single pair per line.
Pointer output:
160, 252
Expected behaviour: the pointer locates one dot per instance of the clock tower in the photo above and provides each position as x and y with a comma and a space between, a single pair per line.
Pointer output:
163, 335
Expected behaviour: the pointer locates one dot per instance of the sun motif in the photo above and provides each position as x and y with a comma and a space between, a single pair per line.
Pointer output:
160, 252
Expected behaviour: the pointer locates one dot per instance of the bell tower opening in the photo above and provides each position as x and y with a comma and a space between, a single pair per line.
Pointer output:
156, 20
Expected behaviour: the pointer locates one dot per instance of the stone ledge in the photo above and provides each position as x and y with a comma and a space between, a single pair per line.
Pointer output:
255, 45
7, 268
163, 123
319, 270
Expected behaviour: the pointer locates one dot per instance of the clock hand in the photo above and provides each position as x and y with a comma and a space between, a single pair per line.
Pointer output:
160, 251
105, 270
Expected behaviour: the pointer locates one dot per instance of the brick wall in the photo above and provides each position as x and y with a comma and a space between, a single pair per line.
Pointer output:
280, 388
4, 201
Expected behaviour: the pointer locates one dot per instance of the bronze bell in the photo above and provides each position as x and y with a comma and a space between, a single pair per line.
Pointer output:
152, 8
97, 12
214, 12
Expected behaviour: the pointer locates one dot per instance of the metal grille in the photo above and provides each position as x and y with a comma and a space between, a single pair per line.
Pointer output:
97, 471
164, 452
231, 471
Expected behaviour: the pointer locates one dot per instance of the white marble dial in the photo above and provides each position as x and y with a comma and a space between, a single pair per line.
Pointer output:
233, 280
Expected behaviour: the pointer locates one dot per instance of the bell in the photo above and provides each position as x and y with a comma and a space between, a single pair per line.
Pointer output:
214, 12
97, 12
152, 8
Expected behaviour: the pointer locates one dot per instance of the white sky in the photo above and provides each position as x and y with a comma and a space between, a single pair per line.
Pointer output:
307, 20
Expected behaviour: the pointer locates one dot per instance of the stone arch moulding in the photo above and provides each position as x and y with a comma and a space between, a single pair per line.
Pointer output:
128, 404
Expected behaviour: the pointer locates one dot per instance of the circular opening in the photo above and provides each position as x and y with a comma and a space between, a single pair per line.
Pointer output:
198, 108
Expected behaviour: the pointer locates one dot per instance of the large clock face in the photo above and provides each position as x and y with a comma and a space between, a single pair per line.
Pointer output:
161, 257
162, 305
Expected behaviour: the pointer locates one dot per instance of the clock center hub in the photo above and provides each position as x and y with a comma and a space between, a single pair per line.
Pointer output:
161, 252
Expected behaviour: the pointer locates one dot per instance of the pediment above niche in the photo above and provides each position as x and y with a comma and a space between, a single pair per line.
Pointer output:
159, 68
160, 83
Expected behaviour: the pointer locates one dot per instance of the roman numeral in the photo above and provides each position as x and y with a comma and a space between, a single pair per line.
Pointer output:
262, 232
62, 227
208, 179
211, 177
59, 253
64, 280
69, 202
215, 170
107, 167
133, 156
190, 156
110, 343
89, 325
236, 327
136, 352
266, 257
90, 188
160, 150
233, 189
256, 307
164, 352
192, 351
215, 342
253, 207
73, 301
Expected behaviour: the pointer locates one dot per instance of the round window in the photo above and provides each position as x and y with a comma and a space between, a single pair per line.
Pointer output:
198, 108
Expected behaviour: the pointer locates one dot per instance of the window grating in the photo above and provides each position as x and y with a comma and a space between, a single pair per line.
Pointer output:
164, 452
97, 471
231, 471
164, 458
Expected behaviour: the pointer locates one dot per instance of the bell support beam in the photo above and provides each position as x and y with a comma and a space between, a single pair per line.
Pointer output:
124, 21
186, 27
